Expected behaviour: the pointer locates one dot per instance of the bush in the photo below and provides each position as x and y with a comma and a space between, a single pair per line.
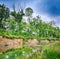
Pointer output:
51, 51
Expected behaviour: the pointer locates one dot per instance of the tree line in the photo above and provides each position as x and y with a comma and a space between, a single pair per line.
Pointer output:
12, 24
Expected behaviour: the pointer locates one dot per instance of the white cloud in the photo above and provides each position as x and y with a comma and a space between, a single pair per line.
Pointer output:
47, 18
57, 20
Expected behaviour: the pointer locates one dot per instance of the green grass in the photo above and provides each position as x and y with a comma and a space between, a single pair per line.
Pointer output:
25, 36
51, 51
24, 53
18, 52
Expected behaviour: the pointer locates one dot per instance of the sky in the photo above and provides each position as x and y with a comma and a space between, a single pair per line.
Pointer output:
49, 10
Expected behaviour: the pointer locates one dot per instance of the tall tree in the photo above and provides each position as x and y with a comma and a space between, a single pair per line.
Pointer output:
4, 14
18, 15
28, 12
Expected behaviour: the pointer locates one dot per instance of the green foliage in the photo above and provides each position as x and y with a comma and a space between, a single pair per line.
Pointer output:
18, 15
14, 26
51, 51
4, 14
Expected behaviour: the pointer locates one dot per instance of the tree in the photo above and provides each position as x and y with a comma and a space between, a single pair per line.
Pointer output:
4, 14
20, 15
17, 15
29, 12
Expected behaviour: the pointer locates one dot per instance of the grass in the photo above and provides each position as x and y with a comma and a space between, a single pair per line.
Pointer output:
25, 36
51, 51
48, 51
25, 53
16, 52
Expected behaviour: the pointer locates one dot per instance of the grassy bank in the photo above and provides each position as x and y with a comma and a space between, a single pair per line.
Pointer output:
48, 51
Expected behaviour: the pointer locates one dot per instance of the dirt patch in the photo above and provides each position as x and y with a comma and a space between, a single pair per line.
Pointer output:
32, 42
7, 44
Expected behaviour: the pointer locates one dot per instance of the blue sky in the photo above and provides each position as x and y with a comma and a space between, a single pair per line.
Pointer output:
48, 9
